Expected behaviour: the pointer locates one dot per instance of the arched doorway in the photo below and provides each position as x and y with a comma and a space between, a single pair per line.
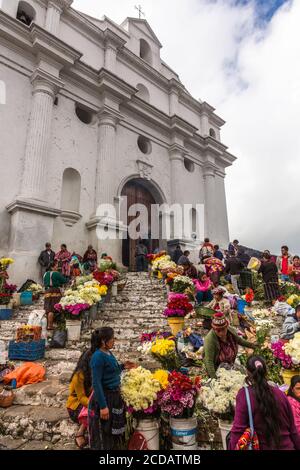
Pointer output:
137, 192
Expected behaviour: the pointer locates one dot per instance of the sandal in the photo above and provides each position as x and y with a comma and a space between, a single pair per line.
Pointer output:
80, 436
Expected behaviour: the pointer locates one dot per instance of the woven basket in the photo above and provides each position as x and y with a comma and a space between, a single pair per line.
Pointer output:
204, 312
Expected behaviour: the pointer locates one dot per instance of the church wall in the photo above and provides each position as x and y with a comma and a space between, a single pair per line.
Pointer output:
14, 116
188, 115
93, 54
128, 153
73, 145
133, 44
158, 97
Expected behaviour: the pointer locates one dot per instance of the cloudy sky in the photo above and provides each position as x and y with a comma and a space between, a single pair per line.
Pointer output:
243, 57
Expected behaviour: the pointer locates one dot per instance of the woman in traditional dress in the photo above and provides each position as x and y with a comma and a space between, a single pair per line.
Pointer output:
90, 258
269, 273
63, 257
203, 288
107, 420
294, 399
80, 390
272, 413
221, 344
53, 281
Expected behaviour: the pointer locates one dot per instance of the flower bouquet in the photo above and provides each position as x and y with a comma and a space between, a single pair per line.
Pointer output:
288, 356
249, 296
179, 397
72, 312
219, 395
178, 305
182, 284
164, 351
293, 300
288, 288
105, 264
104, 278
5, 262
146, 337
139, 390
80, 280
36, 290
90, 294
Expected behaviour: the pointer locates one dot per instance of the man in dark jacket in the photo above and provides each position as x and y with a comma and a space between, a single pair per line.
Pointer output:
46, 258
177, 254
141, 252
234, 267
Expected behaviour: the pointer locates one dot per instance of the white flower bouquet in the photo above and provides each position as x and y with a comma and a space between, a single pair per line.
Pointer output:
292, 348
139, 390
219, 395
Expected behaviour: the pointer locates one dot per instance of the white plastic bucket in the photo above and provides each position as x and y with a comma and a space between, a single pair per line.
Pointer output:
225, 428
184, 431
149, 428
74, 330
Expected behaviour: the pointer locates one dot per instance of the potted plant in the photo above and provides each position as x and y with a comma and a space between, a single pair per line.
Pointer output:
178, 307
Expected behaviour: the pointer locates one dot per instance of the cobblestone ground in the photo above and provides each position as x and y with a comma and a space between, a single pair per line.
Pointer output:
38, 419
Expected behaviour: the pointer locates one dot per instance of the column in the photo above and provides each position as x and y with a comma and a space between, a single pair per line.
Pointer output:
210, 201
106, 159
176, 158
110, 58
177, 168
221, 209
39, 132
54, 11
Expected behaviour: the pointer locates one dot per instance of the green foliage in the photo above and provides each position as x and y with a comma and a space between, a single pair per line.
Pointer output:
258, 286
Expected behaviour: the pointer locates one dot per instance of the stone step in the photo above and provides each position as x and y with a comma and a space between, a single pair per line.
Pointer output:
8, 443
50, 393
37, 423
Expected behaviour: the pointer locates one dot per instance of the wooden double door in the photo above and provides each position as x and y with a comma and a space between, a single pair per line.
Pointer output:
136, 193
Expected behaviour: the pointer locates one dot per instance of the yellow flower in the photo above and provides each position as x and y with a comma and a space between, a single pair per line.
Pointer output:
6, 261
103, 290
162, 377
163, 347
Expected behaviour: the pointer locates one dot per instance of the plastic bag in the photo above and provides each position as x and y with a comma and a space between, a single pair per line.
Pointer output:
28, 373
38, 318
59, 339
282, 308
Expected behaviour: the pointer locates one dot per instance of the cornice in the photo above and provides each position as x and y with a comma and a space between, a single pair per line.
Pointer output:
30, 205
108, 82
43, 41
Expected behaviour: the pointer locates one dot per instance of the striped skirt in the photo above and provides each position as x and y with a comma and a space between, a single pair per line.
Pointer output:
272, 290
110, 434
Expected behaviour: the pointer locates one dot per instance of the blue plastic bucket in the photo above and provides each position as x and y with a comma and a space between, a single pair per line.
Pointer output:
5, 313
26, 298
241, 304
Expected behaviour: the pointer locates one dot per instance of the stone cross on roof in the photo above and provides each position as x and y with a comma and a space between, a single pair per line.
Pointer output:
139, 9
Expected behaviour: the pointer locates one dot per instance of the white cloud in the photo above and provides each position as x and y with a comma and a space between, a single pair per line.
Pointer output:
252, 77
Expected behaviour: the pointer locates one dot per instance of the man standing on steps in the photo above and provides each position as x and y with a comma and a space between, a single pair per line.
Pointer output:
46, 258
141, 252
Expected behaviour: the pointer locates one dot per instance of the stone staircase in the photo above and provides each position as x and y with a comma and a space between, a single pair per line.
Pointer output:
38, 419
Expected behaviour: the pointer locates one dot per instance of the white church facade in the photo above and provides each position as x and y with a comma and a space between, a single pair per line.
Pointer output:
90, 113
